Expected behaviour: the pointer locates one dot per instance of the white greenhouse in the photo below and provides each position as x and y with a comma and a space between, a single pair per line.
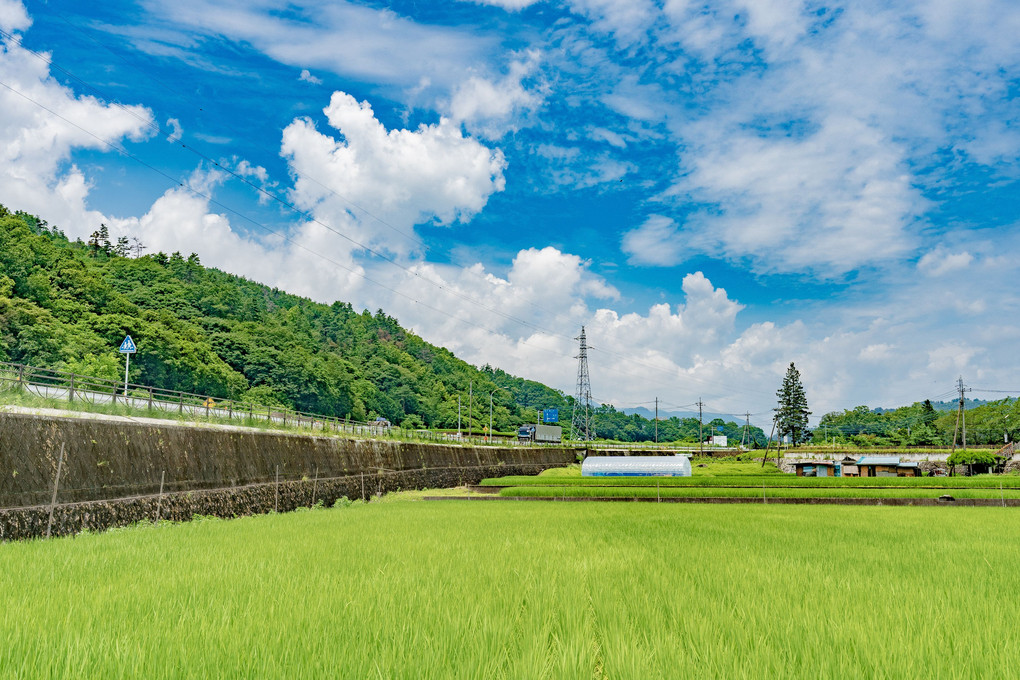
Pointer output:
636, 466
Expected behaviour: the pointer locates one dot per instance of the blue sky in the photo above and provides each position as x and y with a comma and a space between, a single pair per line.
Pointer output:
712, 189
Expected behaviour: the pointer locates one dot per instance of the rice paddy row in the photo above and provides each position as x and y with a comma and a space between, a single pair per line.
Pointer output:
550, 491
537, 590
778, 480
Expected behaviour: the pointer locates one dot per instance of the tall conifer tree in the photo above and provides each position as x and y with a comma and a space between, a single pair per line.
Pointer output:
792, 414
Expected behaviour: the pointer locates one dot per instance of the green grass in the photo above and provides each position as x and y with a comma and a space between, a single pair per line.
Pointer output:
536, 590
772, 481
728, 492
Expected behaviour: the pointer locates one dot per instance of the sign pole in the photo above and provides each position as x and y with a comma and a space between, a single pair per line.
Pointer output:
127, 348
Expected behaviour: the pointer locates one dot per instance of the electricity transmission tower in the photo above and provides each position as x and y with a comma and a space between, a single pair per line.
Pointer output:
583, 424
961, 414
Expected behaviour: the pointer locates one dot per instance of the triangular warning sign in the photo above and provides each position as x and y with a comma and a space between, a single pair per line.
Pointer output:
128, 345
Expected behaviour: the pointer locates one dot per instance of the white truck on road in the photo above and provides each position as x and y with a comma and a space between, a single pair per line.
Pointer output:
543, 434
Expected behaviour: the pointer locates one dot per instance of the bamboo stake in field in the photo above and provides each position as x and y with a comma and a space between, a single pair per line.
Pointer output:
768, 443
159, 501
56, 484
315, 484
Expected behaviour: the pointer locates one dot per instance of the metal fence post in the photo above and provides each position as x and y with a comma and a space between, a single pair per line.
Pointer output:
56, 485
180, 404
230, 410
70, 393
150, 398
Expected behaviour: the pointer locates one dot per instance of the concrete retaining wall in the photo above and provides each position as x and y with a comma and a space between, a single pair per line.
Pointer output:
71, 518
120, 458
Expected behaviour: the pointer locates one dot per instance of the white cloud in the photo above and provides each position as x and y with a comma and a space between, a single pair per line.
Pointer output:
41, 124
577, 169
627, 22
836, 199
346, 38
307, 77
810, 162
940, 261
401, 177
492, 108
13, 16
176, 131
508, 5
656, 242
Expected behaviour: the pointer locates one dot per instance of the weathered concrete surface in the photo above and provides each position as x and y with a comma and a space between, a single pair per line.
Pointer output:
71, 518
107, 458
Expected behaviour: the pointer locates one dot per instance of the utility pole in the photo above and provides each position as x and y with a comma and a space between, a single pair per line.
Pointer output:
458, 416
701, 435
471, 404
490, 414
656, 420
747, 429
961, 413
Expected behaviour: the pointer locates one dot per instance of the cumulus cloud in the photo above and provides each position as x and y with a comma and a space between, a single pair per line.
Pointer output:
13, 16
41, 124
491, 108
384, 182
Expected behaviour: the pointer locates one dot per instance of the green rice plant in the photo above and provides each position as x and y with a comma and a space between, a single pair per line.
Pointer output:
460, 589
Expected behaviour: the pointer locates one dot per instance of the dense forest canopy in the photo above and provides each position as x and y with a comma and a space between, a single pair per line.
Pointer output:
68, 305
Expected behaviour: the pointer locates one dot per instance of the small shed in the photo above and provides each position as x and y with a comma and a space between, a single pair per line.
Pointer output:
849, 467
817, 468
887, 466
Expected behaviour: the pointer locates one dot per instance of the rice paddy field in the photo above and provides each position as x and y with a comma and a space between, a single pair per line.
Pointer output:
461, 589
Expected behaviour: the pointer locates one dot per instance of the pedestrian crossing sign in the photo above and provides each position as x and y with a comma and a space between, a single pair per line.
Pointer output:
128, 346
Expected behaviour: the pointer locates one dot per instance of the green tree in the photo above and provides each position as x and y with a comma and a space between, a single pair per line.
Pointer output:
792, 414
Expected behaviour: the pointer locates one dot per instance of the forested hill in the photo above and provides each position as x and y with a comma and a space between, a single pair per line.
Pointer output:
69, 304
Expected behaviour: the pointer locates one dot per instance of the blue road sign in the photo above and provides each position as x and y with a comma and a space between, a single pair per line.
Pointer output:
128, 346
550, 415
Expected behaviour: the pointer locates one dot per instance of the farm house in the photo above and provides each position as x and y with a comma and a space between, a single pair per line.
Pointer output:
887, 466
817, 468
